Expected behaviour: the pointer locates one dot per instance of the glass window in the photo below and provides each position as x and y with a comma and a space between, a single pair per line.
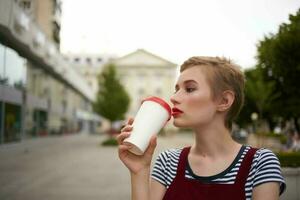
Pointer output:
2, 64
15, 68
158, 91
12, 122
1, 125
141, 91
12, 67
25, 5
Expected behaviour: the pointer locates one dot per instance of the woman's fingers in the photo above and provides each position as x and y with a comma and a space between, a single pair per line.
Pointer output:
122, 136
126, 128
130, 121
124, 147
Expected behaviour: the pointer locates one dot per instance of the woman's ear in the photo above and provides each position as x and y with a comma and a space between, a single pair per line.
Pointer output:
226, 100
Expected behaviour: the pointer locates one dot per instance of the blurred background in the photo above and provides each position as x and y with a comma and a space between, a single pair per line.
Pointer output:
72, 72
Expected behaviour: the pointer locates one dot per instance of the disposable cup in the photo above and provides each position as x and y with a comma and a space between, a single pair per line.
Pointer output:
151, 117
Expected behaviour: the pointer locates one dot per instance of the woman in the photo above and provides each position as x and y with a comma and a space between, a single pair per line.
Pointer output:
208, 97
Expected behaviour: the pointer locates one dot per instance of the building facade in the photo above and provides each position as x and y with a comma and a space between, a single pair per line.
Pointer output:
89, 66
46, 14
144, 74
40, 93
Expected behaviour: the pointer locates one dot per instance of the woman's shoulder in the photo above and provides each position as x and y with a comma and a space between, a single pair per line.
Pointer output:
266, 168
263, 158
164, 170
170, 154
264, 153
172, 151
260, 152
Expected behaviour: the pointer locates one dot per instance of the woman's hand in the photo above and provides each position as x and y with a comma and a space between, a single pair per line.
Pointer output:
135, 163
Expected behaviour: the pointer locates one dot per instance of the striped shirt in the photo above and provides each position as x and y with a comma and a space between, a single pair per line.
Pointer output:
265, 168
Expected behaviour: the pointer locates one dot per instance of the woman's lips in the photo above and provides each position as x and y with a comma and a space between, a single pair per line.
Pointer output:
176, 112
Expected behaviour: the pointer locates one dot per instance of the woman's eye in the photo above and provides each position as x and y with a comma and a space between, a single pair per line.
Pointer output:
190, 89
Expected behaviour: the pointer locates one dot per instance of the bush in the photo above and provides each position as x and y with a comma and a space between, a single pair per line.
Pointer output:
185, 130
281, 137
289, 159
110, 142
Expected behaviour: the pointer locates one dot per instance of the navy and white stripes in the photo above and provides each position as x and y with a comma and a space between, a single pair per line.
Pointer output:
265, 168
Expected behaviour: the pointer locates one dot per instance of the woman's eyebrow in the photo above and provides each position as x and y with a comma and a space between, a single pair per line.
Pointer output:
189, 81
185, 82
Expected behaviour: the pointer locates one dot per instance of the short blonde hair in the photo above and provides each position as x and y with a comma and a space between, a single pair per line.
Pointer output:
221, 74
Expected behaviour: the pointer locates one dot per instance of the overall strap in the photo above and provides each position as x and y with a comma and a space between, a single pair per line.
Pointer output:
182, 162
245, 167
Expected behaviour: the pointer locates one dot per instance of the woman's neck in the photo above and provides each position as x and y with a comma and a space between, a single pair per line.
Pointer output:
214, 140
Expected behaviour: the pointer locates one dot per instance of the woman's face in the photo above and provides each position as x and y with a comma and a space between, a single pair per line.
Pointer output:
193, 105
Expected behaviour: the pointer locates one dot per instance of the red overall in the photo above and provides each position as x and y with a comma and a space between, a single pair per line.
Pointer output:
189, 189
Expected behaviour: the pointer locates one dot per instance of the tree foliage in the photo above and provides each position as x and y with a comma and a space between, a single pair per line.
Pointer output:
112, 100
259, 97
279, 59
261, 93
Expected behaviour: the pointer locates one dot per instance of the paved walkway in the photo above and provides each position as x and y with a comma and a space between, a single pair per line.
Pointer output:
71, 167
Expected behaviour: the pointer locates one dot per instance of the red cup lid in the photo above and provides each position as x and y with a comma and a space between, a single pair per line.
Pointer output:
161, 102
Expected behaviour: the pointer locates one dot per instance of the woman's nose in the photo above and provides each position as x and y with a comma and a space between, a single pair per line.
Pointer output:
174, 99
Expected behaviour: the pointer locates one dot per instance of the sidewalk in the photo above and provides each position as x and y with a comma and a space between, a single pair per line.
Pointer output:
68, 167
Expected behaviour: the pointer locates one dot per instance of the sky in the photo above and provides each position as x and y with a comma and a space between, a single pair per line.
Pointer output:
172, 29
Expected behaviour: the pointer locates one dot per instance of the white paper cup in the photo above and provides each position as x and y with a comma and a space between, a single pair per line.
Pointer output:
153, 115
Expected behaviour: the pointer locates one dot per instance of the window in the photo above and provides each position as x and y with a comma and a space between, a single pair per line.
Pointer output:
25, 5
141, 91
3, 78
64, 106
88, 60
13, 68
158, 91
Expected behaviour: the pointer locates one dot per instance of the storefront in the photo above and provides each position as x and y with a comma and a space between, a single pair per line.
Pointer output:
12, 122
40, 119
12, 85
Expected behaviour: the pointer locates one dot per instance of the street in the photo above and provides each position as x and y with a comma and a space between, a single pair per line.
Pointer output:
68, 167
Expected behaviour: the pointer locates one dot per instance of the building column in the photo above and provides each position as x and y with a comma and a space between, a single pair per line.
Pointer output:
2, 122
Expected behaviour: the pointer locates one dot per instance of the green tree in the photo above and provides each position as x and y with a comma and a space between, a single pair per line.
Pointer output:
112, 100
259, 96
279, 59
261, 92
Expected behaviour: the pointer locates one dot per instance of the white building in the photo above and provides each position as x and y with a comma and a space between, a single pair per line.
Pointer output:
89, 66
144, 74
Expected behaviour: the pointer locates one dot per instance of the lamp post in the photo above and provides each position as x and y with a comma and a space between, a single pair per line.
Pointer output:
254, 117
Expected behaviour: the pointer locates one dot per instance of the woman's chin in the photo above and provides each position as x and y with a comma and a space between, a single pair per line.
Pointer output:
180, 124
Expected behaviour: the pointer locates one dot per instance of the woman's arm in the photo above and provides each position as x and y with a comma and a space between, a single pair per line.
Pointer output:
140, 186
138, 165
266, 191
157, 191
268, 182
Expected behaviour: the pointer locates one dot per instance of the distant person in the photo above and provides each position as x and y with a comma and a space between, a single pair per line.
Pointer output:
290, 140
208, 96
296, 142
